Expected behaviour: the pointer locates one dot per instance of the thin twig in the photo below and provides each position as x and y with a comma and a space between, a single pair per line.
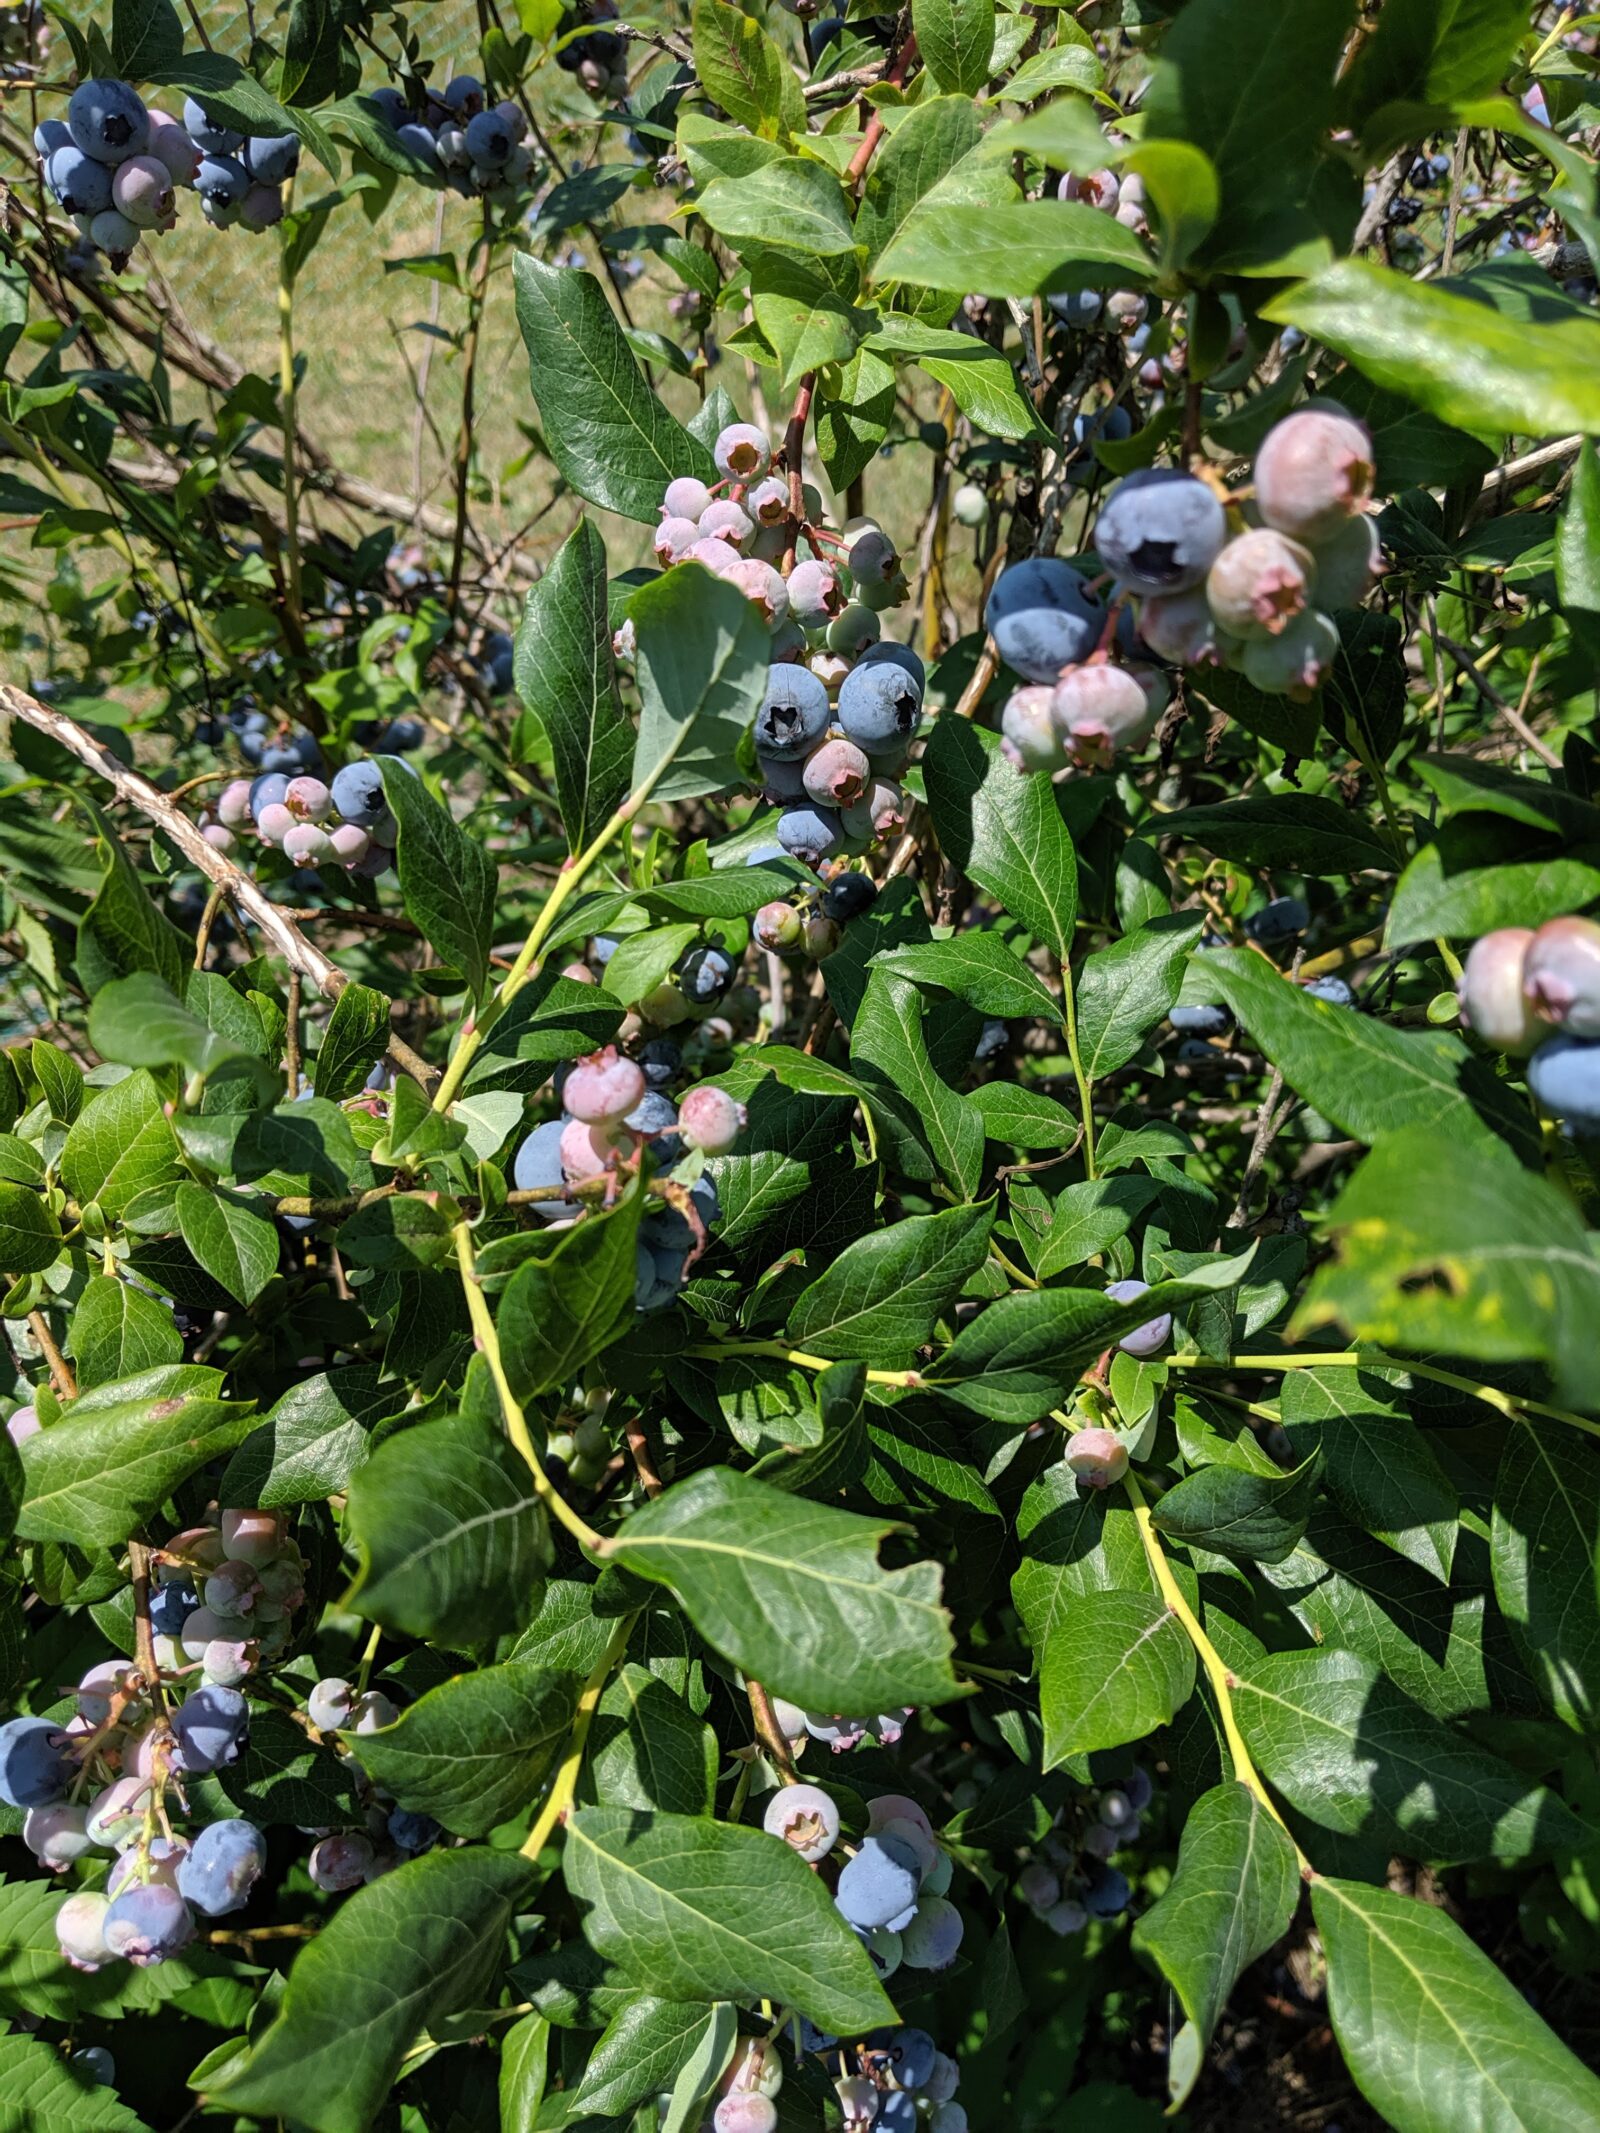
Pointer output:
768, 1731
61, 1377
1503, 704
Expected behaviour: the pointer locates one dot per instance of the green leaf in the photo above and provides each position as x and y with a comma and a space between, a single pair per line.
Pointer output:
702, 666
608, 434
396, 1957
809, 323
549, 1019
978, 968
38, 2088
1355, 1755
643, 960
447, 878
567, 681
1017, 248
354, 1042
1460, 359
312, 1441
982, 382
1545, 1540
793, 1593
646, 2046
473, 1751
741, 69
1438, 2038
1023, 1118
1004, 829
104, 1468
283, 1777
1023, 1354
141, 1022
881, 1298
449, 1532
1379, 1467
852, 421
956, 40
1241, 1513
30, 1236
1251, 85
1234, 1893
122, 931
671, 1899
236, 1248
1434, 901
1302, 831
648, 1750
791, 203
117, 1331
931, 139
1124, 990
145, 34
524, 2069
1433, 52
1450, 1245
1116, 1667
889, 1051
560, 1311
1578, 555
1369, 1079
1089, 1217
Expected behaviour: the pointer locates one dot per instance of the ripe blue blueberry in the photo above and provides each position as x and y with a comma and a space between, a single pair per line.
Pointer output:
794, 713
171, 1606
1201, 1021
210, 1726
658, 1275
1108, 1893
358, 794
1143, 1340
904, 2057
1279, 920
34, 1767
1160, 530
880, 705
148, 1924
704, 974
273, 158
538, 1163
209, 134
413, 1832
1078, 308
1334, 990
1043, 618
933, 1937
654, 1113
222, 1866
49, 135
81, 185
489, 139
661, 1060
108, 121
223, 181
1564, 1075
415, 137
809, 833
113, 232
897, 2113
879, 1885
847, 896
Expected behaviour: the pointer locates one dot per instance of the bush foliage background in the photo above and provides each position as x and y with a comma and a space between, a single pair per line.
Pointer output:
1344, 1606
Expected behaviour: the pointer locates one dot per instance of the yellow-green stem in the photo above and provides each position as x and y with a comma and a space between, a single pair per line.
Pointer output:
906, 1380
286, 403
516, 1421
1514, 1405
1069, 1027
566, 1778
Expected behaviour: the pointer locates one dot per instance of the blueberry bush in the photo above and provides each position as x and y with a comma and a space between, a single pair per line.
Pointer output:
798, 1273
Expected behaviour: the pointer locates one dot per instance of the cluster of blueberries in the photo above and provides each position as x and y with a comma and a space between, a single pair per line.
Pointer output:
1537, 993
612, 1108
1253, 597
892, 1890
342, 822
475, 145
597, 57
1071, 1879
842, 705
106, 1779
115, 165
343, 1859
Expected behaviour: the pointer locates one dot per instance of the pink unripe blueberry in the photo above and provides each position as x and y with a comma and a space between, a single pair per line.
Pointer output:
756, 2067
741, 452
815, 594
195, 1548
673, 539
100, 1686
308, 799
1260, 582
604, 1086
173, 149
341, 1862
1098, 1457
1126, 311
351, 843
685, 498
836, 773
1099, 188
763, 587
718, 556
778, 927
233, 807
710, 1120
57, 1836
1314, 469
724, 520
1181, 627
23, 1424
1561, 975
805, 1818
745, 2111
166, 1856
307, 844
859, 2099
274, 823
1146, 1339
251, 1536
80, 1929
141, 189
1493, 1004
768, 501
587, 1151
1098, 709
1028, 732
